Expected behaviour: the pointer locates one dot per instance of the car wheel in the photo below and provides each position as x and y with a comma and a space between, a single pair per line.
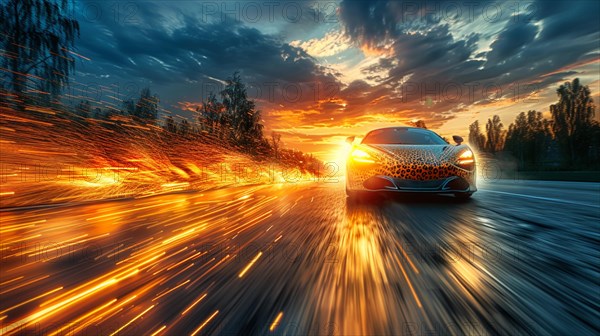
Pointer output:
463, 196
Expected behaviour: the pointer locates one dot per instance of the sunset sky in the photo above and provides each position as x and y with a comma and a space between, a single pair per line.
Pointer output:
321, 71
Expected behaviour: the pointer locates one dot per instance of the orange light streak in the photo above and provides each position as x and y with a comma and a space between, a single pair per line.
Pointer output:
204, 324
193, 304
276, 321
158, 331
131, 321
249, 265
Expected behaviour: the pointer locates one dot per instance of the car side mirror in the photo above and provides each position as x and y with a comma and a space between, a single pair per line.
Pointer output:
457, 139
350, 139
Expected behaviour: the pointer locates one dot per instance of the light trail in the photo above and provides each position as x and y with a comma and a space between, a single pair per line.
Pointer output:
249, 265
322, 268
132, 320
204, 324
193, 304
275, 323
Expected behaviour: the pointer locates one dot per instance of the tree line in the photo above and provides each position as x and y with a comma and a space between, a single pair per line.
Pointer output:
38, 37
569, 139
230, 120
233, 119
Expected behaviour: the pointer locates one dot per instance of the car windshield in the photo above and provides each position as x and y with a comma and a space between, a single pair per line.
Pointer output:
403, 136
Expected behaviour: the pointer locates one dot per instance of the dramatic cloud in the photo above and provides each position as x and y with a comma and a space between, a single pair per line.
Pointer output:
320, 67
511, 41
420, 43
181, 54
333, 43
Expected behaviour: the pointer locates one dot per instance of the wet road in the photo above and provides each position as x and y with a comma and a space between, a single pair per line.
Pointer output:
519, 258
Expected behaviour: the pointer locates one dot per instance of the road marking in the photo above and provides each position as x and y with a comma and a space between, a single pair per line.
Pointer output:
542, 198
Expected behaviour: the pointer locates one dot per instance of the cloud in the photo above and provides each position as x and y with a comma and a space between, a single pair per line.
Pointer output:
511, 40
183, 57
333, 43
421, 44
399, 60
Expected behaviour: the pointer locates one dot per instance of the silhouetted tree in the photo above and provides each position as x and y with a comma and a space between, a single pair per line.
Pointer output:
210, 114
528, 138
97, 113
109, 113
495, 135
37, 38
170, 125
129, 107
84, 108
243, 118
184, 128
572, 120
476, 138
146, 108
236, 120
275, 143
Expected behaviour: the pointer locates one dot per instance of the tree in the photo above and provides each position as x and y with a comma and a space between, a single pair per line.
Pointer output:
539, 136
97, 113
38, 38
528, 138
243, 118
170, 125
129, 107
146, 108
184, 128
495, 134
476, 138
572, 116
276, 143
210, 114
516, 135
84, 108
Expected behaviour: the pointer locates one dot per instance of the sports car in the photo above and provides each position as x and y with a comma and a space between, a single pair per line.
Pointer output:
409, 159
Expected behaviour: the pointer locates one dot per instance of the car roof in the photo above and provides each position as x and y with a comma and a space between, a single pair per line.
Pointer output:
399, 127
390, 127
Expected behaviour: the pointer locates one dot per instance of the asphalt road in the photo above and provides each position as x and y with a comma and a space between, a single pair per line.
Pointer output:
519, 258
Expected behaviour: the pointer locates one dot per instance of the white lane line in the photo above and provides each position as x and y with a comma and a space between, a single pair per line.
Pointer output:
542, 198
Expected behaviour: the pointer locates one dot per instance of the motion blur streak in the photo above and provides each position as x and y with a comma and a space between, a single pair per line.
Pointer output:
232, 261
276, 321
83, 160
204, 324
249, 265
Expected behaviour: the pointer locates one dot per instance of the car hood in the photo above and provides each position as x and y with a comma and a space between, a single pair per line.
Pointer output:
420, 153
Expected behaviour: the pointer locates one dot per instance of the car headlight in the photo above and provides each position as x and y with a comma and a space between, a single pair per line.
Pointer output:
360, 155
466, 159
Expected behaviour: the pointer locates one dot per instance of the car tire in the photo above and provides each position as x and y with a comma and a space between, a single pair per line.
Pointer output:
463, 196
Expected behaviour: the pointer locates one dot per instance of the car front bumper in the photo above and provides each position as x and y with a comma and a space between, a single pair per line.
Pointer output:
452, 184
441, 178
